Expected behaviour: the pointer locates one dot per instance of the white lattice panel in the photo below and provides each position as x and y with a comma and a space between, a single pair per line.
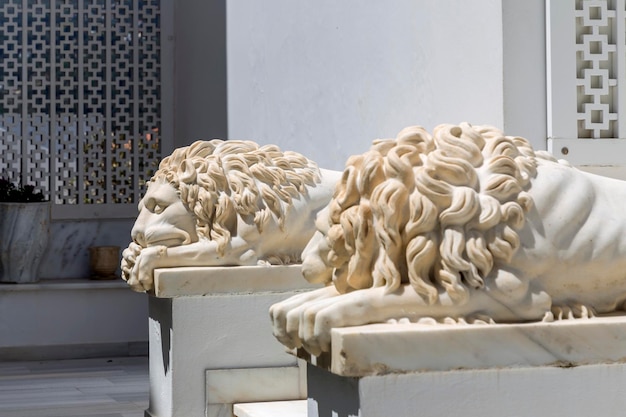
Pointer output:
587, 81
596, 63
10, 146
80, 109
65, 161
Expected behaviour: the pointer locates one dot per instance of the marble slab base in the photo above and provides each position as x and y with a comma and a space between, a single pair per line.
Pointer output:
226, 387
569, 367
589, 390
198, 281
400, 348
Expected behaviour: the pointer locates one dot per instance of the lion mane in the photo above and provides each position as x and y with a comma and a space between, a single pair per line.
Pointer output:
435, 211
219, 180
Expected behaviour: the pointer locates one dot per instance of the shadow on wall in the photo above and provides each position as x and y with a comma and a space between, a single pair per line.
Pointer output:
340, 398
160, 312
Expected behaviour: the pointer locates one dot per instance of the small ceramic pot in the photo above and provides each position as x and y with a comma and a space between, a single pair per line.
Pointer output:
104, 261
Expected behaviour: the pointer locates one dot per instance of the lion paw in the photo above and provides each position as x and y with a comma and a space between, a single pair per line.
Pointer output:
138, 266
480, 319
469, 320
295, 320
573, 311
129, 257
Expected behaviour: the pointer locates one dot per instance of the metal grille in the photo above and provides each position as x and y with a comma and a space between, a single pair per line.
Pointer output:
80, 97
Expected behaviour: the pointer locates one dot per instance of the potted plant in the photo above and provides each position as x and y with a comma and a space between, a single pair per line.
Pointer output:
24, 229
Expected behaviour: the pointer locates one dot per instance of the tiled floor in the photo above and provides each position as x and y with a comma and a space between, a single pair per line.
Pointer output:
115, 387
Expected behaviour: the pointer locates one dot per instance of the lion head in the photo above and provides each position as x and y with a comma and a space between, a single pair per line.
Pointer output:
219, 182
436, 211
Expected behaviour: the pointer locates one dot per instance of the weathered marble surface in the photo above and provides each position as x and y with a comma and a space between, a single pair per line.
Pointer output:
296, 408
24, 233
590, 390
400, 348
197, 281
226, 203
568, 367
67, 255
229, 386
464, 224
211, 342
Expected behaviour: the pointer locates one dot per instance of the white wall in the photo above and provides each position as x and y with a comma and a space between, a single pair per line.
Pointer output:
199, 71
70, 320
325, 78
524, 57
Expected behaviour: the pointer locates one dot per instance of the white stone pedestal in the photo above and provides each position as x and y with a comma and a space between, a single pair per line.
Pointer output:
568, 368
211, 342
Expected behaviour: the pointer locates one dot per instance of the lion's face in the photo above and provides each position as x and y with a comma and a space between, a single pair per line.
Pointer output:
163, 218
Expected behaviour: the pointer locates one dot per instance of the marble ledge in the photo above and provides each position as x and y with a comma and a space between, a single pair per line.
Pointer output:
64, 285
199, 281
297, 408
246, 385
406, 348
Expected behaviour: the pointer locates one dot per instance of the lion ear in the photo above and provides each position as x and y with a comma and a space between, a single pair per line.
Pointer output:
187, 172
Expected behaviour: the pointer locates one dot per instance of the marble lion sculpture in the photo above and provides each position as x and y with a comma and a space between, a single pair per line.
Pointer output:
217, 203
466, 225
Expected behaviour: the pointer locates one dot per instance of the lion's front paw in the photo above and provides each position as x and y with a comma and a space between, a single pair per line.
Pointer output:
129, 256
315, 320
306, 320
292, 316
572, 311
141, 273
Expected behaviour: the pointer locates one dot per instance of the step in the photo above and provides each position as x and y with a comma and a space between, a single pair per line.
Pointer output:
296, 408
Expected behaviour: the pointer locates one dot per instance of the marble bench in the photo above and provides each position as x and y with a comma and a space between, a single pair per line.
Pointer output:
56, 319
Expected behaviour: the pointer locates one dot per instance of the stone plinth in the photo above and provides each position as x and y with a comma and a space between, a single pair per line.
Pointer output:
211, 342
572, 367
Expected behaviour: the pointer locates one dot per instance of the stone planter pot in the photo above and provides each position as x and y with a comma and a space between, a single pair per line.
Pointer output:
24, 231
103, 261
